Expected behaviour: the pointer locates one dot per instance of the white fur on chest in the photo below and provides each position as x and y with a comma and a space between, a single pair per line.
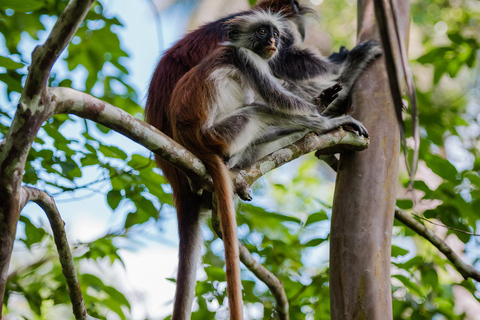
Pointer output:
231, 93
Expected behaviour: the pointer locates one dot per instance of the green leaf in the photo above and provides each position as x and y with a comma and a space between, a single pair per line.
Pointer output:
33, 234
22, 5
316, 217
114, 197
215, 273
441, 167
314, 242
12, 83
410, 285
404, 203
397, 251
112, 152
10, 64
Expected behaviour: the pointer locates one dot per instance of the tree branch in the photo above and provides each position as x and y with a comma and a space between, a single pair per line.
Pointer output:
333, 142
71, 101
31, 113
465, 269
44, 56
65, 255
67, 100
81, 104
262, 273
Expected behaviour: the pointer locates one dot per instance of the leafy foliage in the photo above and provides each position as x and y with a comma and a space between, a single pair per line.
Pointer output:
287, 227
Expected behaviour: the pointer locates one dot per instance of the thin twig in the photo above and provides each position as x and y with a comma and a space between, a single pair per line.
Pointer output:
97, 181
262, 273
65, 255
158, 23
465, 269
445, 226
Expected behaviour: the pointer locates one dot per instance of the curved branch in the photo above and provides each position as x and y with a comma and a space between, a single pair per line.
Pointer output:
465, 269
44, 56
31, 113
65, 255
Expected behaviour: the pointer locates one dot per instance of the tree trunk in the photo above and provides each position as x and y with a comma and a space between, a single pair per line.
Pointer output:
365, 194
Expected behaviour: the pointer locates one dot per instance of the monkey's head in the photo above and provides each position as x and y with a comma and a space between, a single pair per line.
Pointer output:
291, 9
258, 31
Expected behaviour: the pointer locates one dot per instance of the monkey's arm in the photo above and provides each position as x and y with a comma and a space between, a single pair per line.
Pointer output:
297, 64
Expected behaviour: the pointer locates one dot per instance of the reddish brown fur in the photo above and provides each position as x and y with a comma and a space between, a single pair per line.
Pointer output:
176, 62
195, 89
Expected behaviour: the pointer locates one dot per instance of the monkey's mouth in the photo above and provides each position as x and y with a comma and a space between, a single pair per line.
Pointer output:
271, 49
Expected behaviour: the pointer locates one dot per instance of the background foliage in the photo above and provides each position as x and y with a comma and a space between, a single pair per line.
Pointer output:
287, 226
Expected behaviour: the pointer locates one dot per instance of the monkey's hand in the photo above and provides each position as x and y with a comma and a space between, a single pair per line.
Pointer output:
355, 126
323, 100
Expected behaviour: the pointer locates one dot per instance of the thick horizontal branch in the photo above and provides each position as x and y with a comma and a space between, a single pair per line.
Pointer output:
337, 141
84, 105
65, 255
465, 269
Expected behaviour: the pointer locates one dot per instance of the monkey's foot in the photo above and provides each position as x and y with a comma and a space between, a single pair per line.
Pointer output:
323, 100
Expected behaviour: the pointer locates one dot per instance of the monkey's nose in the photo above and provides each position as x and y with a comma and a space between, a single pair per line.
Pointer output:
272, 42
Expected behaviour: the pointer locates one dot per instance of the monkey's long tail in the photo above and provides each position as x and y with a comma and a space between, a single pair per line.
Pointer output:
226, 210
188, 205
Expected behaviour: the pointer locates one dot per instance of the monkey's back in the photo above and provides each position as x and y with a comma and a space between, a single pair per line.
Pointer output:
194, 101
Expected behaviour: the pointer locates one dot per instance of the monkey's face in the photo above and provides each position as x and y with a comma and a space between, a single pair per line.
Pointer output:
265, 40
290, 9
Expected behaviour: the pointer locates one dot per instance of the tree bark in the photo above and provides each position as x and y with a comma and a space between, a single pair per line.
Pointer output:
365, 194
32, 111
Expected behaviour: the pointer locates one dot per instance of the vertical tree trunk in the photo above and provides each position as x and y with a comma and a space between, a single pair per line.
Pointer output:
365, 194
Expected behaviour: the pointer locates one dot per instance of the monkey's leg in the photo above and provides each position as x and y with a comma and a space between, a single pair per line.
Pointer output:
188, 206
271, 141
318, 123
290, 128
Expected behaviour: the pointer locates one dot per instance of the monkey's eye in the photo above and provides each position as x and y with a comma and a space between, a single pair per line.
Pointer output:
275, 34
262, 32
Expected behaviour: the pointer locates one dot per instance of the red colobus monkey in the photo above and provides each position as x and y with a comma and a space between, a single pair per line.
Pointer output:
303, 72
238, 102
